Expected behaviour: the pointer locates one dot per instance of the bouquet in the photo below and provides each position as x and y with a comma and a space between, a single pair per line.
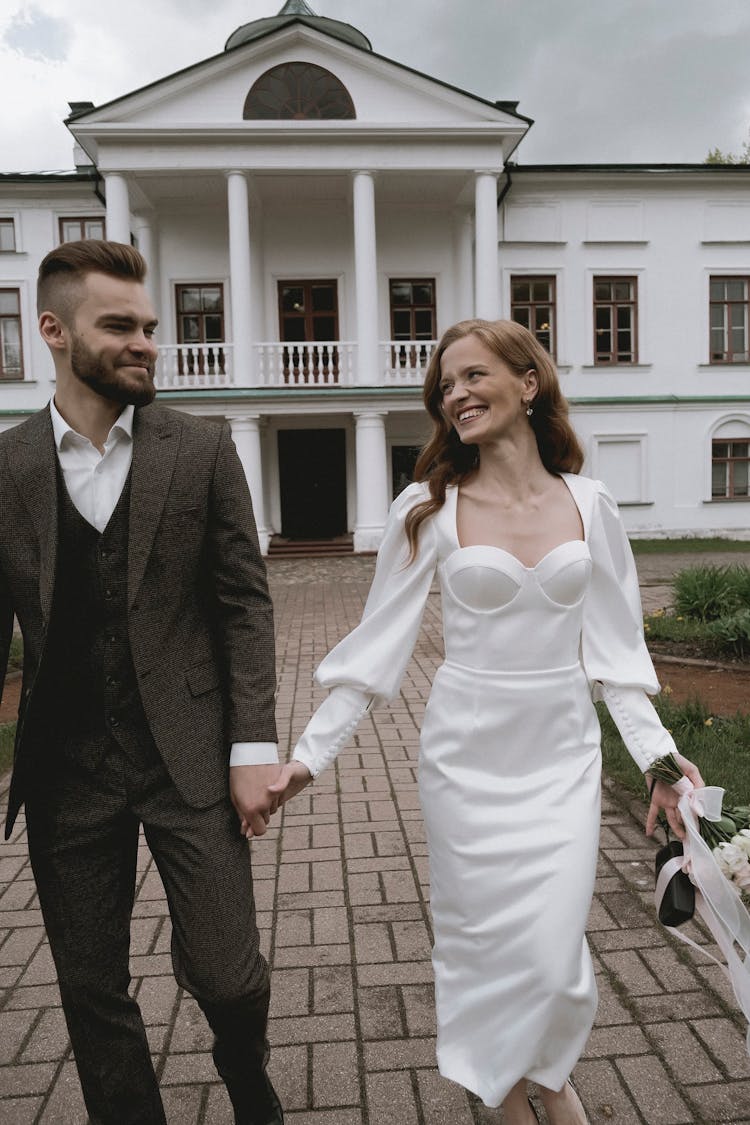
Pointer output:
715, 859
728, 837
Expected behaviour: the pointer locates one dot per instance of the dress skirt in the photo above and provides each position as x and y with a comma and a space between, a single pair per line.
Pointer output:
509, 780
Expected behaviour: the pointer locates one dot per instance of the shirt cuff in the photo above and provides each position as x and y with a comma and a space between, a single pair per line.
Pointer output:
254, 754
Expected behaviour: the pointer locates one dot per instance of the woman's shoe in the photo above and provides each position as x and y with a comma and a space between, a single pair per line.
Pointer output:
533, 1110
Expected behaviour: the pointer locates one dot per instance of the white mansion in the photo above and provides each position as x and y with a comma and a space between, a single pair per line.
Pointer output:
314, 215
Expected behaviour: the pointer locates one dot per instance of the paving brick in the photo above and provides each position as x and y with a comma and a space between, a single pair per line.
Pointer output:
32, 1078
400, 972
333, 990
372, 943
335, 1074
631, 972
312, 1029
21, 945
724, 1102
603, 1093
49, 1039
380, 1012
289, 1070
390, 1099
616, 1040
330, 925
655, 1094
327, 875
443, 1103
683, 1053
294, 928
400, 1054
290, 995
188, 1068
65, 1106
191, 1033
675, 1006
727, 1045
14, 1027
412, 941
21, 1111
419, 1006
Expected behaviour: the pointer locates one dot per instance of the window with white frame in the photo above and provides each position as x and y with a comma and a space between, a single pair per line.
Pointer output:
11, 355
80, 227
7, 234
730, 465
729, 312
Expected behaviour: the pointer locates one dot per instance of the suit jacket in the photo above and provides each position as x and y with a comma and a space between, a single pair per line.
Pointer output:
199, 614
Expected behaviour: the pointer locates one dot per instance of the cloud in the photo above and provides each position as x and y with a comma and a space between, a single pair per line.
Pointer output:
36, 35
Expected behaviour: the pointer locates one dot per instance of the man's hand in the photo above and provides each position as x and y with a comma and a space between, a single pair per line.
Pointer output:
665, 797
292, 778
252, 798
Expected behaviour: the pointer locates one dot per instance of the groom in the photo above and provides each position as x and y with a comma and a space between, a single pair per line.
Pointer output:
128, 553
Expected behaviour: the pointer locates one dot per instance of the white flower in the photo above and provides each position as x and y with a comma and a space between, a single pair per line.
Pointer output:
733, 859
742, 840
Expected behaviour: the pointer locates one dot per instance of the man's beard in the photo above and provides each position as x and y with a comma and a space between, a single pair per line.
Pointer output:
111, 382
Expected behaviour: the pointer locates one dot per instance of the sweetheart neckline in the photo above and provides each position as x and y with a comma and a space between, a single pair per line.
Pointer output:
515, 558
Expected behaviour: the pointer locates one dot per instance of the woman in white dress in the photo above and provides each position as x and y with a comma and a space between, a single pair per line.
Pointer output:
541, 611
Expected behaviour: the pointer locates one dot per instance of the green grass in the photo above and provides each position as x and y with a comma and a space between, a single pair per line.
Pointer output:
15, 659
687, 546
720, 747
7, 735
675, 627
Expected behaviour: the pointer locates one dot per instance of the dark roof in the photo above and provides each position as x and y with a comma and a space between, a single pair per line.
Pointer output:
604, 168
78, 175
297, 11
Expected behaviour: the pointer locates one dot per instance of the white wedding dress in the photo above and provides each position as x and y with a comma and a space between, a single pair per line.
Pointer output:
509, 769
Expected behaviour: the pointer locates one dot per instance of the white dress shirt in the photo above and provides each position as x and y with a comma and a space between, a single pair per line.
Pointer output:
94, 482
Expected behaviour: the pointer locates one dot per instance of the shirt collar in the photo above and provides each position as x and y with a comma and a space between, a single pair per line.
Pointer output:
123, 427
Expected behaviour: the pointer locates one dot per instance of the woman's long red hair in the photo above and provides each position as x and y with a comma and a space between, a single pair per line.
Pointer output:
445, 460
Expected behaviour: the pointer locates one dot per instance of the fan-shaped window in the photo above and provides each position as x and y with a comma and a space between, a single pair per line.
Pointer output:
298, 91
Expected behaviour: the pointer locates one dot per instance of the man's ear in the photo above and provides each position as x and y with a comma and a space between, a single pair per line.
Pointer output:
53, 331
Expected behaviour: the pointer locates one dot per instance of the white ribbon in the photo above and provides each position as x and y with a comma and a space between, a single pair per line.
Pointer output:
717, 901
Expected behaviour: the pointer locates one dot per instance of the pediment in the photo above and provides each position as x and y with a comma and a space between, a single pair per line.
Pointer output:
214, 91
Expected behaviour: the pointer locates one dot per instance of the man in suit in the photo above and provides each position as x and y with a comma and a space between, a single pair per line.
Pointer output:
128, 553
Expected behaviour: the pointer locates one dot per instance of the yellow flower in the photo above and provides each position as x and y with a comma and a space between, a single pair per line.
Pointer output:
709, 722
679, 618
646, 626
666, 690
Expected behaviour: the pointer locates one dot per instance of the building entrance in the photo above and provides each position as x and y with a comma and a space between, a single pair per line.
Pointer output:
312, 477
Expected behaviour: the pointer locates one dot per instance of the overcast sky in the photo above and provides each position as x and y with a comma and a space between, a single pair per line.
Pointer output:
605, 80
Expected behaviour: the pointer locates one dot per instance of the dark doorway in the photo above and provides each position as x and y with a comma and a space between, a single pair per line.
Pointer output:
312, 476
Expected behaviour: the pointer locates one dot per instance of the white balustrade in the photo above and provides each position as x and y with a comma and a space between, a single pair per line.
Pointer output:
320, 363
184, 366
323, 363
405, 361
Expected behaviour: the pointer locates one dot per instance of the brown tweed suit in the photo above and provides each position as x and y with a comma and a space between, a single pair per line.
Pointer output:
200, 628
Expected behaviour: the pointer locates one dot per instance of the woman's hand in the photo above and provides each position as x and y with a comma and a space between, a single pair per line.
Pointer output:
665, 797
291, 780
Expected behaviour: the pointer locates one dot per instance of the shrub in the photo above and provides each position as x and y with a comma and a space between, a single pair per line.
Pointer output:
705, 593
732, 632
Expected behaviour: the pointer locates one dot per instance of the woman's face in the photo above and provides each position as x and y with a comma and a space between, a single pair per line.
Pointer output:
481, 397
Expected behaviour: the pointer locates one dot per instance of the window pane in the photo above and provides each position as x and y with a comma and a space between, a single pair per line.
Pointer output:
191, 331
293, 300
324, 328
190, 300
93, 228
735, 289
521, 316
623, 291
740, 478
717, 289
400, 293
322, 298
7, 234
540, 291
293, 328
719, 479
721, 449
214, 329
624, 317
401, 325
71, 229
520, 291
422, 293
740, 448
211, 299
9, 302
423, 324
602, 291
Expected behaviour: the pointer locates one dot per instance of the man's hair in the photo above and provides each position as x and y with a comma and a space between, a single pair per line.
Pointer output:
65, 268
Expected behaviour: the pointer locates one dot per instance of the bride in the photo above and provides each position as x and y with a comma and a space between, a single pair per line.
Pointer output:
541, 613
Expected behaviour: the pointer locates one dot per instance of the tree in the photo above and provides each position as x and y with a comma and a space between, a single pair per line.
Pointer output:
716, 156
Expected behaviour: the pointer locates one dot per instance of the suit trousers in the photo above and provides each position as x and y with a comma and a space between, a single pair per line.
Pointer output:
83, 828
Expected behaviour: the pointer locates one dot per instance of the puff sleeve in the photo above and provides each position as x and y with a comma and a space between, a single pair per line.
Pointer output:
367, 666
613, 646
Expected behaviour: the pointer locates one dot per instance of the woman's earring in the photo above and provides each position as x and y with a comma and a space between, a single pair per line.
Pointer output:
529, 409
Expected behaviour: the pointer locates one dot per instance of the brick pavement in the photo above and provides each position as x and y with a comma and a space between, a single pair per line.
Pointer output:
341, 888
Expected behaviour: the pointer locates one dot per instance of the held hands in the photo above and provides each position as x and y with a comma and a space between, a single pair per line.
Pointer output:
665, 797
258, 791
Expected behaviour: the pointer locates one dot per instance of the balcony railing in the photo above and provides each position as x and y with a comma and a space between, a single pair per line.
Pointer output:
325, 363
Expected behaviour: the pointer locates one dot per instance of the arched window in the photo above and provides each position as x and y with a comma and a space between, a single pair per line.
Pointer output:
730, 460
298, 91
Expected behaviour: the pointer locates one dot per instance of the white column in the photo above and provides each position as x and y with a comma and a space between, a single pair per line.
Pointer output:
366, 279
246, 437
372, 481
144, 230
487, 287
118, 207
463, 235
240, 274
